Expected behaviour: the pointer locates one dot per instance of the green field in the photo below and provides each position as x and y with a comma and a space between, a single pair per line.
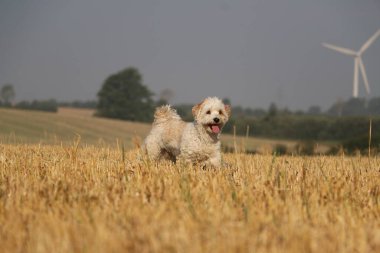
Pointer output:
66, 126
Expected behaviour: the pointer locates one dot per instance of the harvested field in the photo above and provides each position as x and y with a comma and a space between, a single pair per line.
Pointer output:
80, 198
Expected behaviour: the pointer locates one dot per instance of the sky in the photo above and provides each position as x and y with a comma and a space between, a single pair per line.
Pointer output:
253, 52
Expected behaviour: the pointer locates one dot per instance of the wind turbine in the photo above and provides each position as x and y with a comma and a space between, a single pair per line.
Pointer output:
358, 62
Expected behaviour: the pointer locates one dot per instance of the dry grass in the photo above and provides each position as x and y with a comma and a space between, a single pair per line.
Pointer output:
20, 126
101, 199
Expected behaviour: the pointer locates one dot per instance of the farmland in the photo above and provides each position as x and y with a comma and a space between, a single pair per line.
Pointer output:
102, 199
19, 126
70, 182
64, 127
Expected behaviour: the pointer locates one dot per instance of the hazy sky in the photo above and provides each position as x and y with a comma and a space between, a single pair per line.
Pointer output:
253, 52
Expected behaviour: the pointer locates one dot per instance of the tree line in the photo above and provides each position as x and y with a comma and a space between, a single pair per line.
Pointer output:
123, 95
8, 94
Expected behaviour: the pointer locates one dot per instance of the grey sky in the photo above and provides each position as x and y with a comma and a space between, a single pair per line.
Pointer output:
253, 52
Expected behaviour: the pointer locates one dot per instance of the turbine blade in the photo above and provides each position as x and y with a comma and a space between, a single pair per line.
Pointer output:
369, 42
364, 75
340, 49
355, 88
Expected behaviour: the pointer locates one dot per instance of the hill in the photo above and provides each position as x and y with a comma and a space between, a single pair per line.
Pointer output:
64, 127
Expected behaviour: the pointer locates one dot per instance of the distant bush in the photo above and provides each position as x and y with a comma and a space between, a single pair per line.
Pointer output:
305, 148
184, 110
50, 105
335, 150
280, 149
303, 127
229, 149
90, 104
361, 144
5, 104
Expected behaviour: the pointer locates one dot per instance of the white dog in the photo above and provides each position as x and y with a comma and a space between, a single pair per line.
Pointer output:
197, 142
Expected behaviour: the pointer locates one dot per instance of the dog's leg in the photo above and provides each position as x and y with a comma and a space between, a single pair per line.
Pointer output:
215, 160
168, 155
153, 150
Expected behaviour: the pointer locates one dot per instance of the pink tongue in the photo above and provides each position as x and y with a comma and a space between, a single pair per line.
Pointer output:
215, 129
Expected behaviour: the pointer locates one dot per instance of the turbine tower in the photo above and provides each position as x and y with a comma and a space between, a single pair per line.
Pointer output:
358, 62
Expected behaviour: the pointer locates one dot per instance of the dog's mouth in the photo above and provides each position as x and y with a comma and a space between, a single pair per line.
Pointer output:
215, 128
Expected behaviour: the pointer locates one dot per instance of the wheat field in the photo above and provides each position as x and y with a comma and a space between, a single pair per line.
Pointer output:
81, 198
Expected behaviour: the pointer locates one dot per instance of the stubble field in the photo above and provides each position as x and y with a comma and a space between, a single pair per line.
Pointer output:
80, 198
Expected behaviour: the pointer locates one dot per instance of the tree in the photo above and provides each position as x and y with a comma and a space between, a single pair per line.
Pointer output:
124, 96
50, 105
374, 106
314, 110
7, 94
336, 109
272, 111
354, 107
226, 101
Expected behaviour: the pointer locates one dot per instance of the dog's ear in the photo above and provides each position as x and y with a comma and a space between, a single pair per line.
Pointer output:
196, 109
228, 110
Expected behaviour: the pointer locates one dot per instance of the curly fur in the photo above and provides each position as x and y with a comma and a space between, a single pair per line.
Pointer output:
196, 142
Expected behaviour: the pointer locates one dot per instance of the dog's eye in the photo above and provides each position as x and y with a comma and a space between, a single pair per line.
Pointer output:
208, 112
220, 112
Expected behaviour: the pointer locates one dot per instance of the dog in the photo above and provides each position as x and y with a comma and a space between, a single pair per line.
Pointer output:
197, 142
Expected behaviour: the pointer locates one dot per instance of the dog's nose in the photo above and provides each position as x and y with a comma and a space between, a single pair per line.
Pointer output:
216, 120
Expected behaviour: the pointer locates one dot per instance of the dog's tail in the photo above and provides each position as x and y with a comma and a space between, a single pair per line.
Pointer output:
164, 113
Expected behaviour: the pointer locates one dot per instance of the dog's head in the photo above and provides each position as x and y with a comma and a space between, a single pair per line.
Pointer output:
212, 114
